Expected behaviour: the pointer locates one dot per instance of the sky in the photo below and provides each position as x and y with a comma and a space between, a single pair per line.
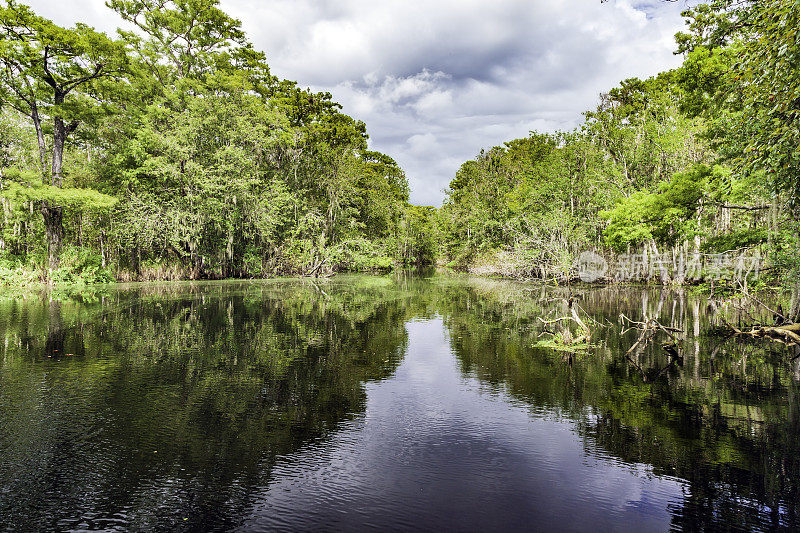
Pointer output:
438, 80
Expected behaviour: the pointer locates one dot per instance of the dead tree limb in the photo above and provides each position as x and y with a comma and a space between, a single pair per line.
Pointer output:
573, 316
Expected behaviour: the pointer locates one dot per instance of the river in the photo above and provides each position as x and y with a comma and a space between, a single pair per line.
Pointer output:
398, 402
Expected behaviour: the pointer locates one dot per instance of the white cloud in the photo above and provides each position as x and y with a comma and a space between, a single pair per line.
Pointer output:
437, 80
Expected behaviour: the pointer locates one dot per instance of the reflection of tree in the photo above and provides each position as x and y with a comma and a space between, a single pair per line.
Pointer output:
198, 388
193, 388
727, 421
54, 345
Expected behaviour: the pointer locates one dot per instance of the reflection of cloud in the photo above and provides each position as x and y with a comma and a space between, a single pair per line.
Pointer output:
438, 449
471, 73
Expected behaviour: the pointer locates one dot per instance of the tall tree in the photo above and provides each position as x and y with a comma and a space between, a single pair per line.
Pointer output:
52, 73
767, 75
188, 34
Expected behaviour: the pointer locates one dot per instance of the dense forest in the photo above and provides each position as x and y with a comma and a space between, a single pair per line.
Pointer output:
696, 167
170, 151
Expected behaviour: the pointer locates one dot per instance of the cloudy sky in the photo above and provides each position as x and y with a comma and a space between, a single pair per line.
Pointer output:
437, 80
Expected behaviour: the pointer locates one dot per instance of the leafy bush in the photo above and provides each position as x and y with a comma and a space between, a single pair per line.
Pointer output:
666, 216
16, 274
81, 266
359, 255
735, 240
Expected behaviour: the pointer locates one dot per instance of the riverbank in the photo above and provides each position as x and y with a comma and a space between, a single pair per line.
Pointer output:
87, 269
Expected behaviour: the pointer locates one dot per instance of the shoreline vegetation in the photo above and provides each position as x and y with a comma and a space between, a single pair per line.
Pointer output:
173, 153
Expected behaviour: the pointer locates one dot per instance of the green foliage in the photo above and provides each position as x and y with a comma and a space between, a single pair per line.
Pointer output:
701, 79
740, 72
55, 73
14, 273
191, 34
542, 200
81, 200
745, 238
703, 157
559, 344
200, 163
17, 141
629, 222
785, 254
183, 156
81, 266
666, 216
419, 236
359, 255
767, 74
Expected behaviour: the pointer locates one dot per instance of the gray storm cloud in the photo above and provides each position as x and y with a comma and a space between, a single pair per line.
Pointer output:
437, 80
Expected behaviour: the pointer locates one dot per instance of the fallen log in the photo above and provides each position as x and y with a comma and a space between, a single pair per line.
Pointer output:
788, 334
794, 328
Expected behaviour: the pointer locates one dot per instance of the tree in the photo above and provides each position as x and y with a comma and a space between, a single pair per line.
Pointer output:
199, 184
741, 70
54, 73
767, 74
189, 34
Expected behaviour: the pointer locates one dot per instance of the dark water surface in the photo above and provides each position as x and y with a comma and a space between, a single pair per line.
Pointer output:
396, 403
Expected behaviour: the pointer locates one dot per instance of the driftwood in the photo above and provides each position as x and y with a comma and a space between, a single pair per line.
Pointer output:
318, 268
785, 330
573, 317
649, 328
788, 334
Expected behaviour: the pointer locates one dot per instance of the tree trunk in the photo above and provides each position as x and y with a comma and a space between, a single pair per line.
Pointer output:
794, 307
103, 248
53, 217
59, 137
229, 267
135, 258
37, 123
657, 260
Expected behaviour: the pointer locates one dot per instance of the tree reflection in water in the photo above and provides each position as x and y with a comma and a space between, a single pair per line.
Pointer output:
158, 406
727, 421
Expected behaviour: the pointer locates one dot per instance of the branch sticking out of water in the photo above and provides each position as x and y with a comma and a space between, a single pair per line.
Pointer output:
565, 337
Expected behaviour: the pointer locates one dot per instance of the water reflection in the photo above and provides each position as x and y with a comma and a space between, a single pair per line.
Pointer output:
400, 402
164, 408
726, 421
437, 451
